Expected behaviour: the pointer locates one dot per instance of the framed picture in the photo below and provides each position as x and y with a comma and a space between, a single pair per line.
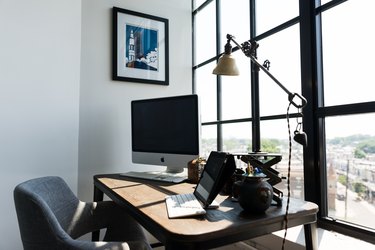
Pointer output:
140, 47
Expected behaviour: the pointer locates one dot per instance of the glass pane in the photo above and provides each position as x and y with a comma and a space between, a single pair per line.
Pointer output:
348, 53
205, 34
198, 3
276, 130
271, 13
235, 20
209, 141
237, 137
206, 90
283, 52
324, 1
236, 91
350, 152
274, 139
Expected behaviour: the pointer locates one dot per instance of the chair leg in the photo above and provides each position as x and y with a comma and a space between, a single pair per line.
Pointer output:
95, 236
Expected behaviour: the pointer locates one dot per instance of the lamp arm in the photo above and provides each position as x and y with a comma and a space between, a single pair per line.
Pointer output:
249, 49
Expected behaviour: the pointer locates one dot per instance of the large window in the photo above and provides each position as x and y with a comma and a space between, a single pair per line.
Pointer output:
323, 49
347, 112
226, 103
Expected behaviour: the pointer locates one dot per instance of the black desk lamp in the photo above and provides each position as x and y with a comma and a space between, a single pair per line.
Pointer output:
227, 66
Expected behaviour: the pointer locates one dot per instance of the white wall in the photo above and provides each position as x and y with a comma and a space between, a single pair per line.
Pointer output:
104, 141
39, 98
56, 90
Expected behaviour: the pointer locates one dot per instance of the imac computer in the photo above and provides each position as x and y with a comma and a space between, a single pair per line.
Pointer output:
165, 132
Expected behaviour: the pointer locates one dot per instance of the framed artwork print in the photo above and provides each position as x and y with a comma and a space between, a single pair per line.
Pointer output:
140, 47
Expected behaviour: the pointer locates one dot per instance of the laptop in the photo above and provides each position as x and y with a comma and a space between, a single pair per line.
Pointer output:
219, 167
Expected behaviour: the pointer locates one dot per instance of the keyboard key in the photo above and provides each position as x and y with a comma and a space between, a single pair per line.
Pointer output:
183, 205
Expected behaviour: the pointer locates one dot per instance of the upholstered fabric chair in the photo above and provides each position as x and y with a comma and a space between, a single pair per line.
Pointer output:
50, 217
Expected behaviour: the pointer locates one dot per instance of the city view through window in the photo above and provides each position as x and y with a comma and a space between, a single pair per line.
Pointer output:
350, 163
350, 172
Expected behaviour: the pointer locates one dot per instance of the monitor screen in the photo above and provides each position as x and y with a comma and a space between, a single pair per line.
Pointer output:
165, 131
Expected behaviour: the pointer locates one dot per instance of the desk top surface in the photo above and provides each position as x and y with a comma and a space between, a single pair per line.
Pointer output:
145, 200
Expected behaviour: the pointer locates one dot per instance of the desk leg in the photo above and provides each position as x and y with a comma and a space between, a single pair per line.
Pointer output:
311, 237
98, 196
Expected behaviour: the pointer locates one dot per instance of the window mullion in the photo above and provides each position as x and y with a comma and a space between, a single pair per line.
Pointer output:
219, 96
310, 82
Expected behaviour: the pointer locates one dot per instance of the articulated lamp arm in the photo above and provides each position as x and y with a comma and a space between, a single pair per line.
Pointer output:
249, 49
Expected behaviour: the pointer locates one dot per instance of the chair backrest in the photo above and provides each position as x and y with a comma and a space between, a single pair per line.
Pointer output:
45, 209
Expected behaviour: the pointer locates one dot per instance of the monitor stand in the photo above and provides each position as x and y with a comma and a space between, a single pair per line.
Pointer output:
175, 170
171, 175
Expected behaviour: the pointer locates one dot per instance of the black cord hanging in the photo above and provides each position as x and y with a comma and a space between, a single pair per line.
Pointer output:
288, 178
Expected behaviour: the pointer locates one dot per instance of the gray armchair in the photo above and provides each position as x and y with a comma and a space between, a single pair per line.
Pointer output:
50, 216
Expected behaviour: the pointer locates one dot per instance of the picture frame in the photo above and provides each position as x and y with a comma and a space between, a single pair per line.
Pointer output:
140, 50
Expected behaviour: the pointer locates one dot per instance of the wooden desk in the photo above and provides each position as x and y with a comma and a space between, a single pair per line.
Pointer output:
144, 200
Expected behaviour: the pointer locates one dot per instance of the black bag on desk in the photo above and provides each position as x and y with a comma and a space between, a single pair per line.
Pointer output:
219, 168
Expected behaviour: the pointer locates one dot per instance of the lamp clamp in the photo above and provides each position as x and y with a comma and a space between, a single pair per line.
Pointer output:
303, 101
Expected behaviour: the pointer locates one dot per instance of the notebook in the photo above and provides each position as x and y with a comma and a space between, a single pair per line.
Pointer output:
219, 167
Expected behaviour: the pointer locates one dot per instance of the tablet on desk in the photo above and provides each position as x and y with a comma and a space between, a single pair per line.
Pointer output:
219, 167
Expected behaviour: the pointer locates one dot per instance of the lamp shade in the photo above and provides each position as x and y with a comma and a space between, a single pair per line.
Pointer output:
226, 66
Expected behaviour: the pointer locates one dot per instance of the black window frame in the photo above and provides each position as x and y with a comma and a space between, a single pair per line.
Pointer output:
315, 175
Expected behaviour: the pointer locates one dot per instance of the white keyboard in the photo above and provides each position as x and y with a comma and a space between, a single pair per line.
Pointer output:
157, 176
183, 205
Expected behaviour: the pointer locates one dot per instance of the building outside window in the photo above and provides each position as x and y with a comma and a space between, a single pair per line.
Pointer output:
330, 62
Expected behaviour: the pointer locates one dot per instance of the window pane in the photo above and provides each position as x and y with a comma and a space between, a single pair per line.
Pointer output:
324, 1
283, 51
350, 152
205, 34
274, 139
348, 52
236, 91
271, 13
206, 90
237, 137
209, 141
198, 3
235, 20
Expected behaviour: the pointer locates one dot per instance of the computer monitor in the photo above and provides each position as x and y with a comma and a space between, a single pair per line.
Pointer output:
165, 131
